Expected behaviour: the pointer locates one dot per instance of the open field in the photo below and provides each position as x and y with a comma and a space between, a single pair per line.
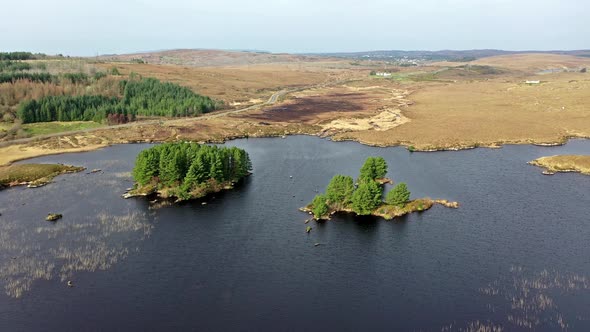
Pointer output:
208, 58
237, 86
490, 112
534, 62
434, 107
527, 62
45, 128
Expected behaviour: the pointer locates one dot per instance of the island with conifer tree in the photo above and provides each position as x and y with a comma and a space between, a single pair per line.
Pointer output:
365, 197
187, 171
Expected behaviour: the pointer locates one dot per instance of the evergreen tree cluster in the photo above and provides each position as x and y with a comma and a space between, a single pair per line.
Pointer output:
146, 97
189, 166
150, 97
362, 198
373, 168
68, 108
19, 56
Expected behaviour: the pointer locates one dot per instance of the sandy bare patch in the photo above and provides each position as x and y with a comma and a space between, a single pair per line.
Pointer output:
383, 121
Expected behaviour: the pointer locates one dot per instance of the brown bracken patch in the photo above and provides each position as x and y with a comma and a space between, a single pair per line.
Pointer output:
309, 108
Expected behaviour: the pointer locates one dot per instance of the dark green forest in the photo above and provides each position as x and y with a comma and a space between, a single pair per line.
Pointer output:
144, 97
20, 56
191, 170
150, 97
69, 108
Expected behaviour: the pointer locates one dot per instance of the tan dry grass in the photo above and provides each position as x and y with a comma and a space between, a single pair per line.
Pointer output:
235, 85
17, 152
208, 58
490, 112
25, 173
534, 61
564, 163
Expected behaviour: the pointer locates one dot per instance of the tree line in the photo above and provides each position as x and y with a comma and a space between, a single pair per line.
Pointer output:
190, 167
11, 77
150, 97
145, 97
362, 197
20, 56
68, 108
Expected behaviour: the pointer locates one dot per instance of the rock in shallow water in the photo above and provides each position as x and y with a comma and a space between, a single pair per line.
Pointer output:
53, 217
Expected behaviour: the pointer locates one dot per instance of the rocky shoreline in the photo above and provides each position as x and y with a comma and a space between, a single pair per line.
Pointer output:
167, 193
389, 212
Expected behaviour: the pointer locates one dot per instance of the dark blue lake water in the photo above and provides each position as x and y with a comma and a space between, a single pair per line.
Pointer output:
515, 254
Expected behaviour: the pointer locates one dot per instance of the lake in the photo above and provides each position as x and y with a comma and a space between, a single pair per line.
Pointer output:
514, 255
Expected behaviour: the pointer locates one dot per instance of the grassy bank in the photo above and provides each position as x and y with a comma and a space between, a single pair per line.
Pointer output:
33, 174
46, 128
389, 212
564, 163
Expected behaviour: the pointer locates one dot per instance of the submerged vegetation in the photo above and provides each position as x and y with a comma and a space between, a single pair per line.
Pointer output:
365, 197
34, 175
188, 170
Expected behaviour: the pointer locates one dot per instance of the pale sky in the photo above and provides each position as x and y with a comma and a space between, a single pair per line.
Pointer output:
90, 27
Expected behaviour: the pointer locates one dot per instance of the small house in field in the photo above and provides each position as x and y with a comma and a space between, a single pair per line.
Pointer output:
532, 82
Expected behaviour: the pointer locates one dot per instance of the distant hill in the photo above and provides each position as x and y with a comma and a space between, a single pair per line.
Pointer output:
444, 55
536, 62
209, 58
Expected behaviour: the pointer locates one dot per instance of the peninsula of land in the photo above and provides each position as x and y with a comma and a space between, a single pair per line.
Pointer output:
563, 163
33, 175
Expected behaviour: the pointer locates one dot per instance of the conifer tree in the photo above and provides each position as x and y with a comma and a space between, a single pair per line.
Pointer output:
366, 197
320, 206
398, 196
340, 190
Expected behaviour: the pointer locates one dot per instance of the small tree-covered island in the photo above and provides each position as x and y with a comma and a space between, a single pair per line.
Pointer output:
188, 170
365, 197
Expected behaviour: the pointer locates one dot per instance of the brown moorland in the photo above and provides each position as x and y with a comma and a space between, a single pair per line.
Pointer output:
490, 112
534, 61
236, 86
208, 58
430, 107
